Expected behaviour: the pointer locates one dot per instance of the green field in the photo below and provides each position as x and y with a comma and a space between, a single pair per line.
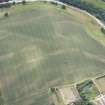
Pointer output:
101, 83
42, 46
96, 3
94, 7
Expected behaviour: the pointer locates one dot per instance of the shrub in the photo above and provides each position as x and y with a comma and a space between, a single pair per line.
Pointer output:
6, 14
63, 6
23, 2
54, 3
14, 2
5, 5
52, 90
103, 30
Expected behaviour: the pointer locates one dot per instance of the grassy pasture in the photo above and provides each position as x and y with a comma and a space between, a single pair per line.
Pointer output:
97, 3
42, 46
101, 83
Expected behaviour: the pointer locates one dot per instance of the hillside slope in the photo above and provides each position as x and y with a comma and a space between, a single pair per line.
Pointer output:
42, 46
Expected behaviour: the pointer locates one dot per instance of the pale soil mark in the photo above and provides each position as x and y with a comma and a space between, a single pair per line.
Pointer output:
6, 56
93, 56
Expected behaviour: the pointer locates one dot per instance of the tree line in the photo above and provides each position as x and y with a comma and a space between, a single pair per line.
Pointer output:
97, 12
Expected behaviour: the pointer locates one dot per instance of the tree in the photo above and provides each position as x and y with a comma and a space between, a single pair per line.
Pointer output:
6, 14
14, 2
63, 6
52, 90
91, 8
103, 30
54, 3
23, 2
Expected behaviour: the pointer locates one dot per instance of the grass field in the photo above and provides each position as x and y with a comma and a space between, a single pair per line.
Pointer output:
42, 46
101, 83
96, 3
94, 7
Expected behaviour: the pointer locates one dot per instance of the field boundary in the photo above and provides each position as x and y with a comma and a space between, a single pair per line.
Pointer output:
69, 6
